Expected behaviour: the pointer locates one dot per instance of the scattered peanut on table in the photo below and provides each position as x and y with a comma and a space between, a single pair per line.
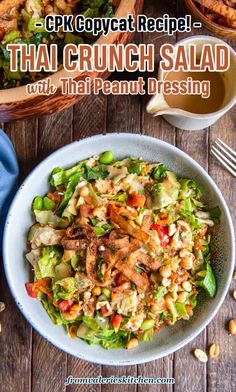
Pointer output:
234, 294
200, 355
214, 350
232, 327
2, 306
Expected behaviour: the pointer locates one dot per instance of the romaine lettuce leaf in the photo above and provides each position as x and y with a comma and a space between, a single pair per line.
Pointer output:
65, 288
50, 258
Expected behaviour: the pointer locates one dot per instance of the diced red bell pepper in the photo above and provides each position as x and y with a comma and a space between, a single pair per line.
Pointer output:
31, 290
136, 200
65, 305
104, 311
54, 197
116, 321
162, 232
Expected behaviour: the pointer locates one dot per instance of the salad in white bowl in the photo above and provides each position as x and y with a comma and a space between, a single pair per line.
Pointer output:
143, 236
120, 249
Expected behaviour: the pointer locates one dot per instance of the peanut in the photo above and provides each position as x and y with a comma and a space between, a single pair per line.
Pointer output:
165, 282
2, 306
97, 291
214, 350
232, 327
187, 262
234, 294
133, 343
182, 296
200, 355
165, 271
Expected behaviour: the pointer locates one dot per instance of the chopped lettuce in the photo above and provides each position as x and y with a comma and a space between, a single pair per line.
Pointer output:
48, 217
92, 174
207, 281
61, 176
159, 172
47, 263
52, 311
215, 215
189, 189
147, 335
159, 292
102, 230
165, 192
63, 270
191, 219
91, 323
180, 309
193, 300
164, 315
65, 288
70, 188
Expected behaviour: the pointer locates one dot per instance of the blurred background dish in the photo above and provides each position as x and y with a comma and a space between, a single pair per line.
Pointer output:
217, 23
16, 104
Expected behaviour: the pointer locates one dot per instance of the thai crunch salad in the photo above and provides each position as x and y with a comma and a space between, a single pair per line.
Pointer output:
120, 249
18, 24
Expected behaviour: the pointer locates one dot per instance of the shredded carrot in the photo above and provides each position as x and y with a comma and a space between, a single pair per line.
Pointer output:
164, 222
188, 308
198, 246
72, 331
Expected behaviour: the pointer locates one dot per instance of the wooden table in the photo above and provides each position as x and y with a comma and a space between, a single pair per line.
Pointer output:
28, 362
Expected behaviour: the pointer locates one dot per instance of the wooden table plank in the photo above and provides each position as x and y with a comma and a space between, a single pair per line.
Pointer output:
222, 372
16, 335
90, 117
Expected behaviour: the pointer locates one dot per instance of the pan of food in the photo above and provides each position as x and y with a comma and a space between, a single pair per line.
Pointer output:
218, 16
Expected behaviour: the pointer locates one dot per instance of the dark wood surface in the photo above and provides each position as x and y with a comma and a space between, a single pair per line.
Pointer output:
28, 363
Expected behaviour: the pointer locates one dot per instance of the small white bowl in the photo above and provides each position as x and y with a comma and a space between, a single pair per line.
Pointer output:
19, 219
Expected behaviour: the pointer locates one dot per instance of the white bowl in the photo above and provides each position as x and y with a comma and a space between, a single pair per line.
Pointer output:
19, 219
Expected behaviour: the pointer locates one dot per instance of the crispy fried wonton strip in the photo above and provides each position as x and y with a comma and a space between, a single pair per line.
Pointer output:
75, 244
141, 281
123, 253
127, 228
145, 259
91, 262
124, 211
219, 8
116, 243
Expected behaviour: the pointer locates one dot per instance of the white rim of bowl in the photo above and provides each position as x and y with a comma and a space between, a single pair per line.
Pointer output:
145, 357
